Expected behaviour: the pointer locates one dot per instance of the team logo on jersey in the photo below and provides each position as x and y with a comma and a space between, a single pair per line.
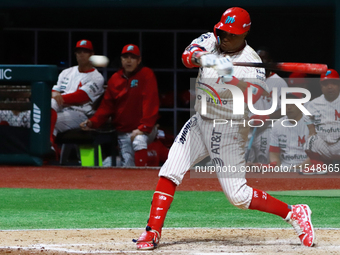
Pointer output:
229, 20
301, 141
337, 115
282, 139
130, 48
134, 83
208, 92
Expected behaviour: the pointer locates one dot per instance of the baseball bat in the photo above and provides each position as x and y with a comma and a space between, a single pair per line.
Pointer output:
288, 67
250, 143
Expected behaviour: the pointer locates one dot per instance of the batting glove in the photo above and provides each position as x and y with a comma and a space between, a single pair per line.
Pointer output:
256, 119
208, 60
225, 69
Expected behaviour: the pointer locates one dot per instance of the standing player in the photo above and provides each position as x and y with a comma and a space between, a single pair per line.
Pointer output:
260, 147
324, 122
132, 100
77, 89
225, 144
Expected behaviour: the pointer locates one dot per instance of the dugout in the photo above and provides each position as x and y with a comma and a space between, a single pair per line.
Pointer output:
26, 146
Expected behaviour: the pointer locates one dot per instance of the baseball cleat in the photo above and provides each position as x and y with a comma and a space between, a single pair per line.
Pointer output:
300, 218
148, 240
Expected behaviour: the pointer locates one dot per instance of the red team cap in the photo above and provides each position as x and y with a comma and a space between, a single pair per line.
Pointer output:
331, 74
131, 48
235, 20
84, 44
294, 95
295, 79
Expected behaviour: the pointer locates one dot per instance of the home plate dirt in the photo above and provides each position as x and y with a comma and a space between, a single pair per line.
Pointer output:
174, 241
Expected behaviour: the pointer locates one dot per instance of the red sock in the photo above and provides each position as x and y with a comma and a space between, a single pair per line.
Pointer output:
161, 202
141, 157
54, 117
264, 202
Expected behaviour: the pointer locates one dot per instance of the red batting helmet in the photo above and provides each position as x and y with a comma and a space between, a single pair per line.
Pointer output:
331, 74
235, 20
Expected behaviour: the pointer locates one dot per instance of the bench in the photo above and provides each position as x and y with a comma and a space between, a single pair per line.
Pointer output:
88, 145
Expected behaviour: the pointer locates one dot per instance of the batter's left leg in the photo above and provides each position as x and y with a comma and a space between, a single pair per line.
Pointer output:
228, 153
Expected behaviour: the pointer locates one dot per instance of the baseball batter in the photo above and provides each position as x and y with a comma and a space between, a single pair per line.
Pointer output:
214, 53
75, 93
324, 123
260, 147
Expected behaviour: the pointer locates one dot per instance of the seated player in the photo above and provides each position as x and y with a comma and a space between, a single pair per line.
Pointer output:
286, 146
77, 90
260, 147
324, 123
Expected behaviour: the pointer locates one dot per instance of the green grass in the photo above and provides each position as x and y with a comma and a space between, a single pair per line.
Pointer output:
50, 209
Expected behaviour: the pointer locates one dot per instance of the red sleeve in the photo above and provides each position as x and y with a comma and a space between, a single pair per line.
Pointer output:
76, 98
150, 103
4, 123
274, 149
256, 92
106, 107
187, 54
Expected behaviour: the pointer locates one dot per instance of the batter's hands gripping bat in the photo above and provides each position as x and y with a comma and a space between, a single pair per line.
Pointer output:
250, 143
288, 67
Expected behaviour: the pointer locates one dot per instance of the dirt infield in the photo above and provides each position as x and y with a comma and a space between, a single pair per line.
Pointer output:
174, 241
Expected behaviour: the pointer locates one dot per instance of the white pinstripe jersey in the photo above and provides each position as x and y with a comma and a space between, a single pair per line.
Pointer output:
326, 118
265, 102
290, 140
210, 77
22, 119
70, 80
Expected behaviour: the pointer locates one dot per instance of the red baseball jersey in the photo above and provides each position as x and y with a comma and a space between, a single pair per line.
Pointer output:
131, 102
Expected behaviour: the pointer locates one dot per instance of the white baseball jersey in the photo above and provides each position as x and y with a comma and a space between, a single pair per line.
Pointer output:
290, 140
326, 118
22, 119
70, 80
210, 77
224, 143
265, 102
260, 147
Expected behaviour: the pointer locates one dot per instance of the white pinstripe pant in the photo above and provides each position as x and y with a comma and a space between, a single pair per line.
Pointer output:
224, 144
